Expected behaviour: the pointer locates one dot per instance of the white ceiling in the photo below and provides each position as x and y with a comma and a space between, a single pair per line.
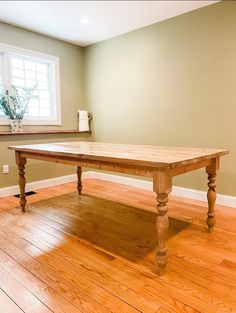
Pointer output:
61, 19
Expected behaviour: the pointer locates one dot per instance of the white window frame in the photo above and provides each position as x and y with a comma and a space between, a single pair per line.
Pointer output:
54, 64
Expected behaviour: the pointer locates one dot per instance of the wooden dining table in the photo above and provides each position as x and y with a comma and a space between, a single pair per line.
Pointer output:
158, 162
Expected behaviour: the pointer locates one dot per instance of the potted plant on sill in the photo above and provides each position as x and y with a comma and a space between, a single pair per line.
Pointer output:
14, 104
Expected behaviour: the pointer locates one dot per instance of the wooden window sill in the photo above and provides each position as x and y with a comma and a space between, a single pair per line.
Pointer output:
43, 132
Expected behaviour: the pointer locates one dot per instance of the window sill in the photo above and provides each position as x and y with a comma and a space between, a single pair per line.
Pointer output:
43, 132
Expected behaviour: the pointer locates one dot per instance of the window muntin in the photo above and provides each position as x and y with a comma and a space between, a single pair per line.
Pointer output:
29, 69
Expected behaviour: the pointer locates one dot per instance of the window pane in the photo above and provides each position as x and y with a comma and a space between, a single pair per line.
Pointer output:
41, 77
42, 85
43, 94
34, 103
17, 62
45, 112
30, 83
18, 73
42, 68
29, 65
44, 103
35, 94
33, 112
30, 75
18, 82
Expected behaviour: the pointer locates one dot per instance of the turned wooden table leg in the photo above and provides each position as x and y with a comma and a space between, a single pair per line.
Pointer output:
21, 171
212, 171
79, 183
162, 185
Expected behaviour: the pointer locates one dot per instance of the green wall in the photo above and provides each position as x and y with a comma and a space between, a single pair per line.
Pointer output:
171, 83
72, 98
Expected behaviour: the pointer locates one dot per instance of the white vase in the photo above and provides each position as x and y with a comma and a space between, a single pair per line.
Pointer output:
16, 126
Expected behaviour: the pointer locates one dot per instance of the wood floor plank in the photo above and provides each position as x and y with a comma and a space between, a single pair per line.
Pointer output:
48, 247
64, 273
77, 250
67, 261
215, 258
37, 287
128, 295
7, 305
69, 292
20, 295
205, 282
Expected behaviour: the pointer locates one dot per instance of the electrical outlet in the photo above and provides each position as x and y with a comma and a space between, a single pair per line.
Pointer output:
5, 169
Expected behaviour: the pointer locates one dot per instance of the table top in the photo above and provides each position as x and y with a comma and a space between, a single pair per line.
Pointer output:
123, 153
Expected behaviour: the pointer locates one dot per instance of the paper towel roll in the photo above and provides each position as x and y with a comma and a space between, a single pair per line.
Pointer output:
83, 114
83, 120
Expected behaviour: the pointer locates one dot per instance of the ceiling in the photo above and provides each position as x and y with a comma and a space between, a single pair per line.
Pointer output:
62, 19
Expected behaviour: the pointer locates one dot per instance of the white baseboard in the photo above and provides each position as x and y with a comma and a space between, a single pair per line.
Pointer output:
177, 191
14, 190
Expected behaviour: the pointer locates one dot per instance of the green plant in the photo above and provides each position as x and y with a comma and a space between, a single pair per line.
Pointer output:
14, 103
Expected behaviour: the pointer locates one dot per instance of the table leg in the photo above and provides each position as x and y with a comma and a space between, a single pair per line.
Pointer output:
79, 183
212, 171
22, 181
162, 185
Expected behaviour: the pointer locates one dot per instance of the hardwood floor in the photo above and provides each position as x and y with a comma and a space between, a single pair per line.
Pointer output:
94, 253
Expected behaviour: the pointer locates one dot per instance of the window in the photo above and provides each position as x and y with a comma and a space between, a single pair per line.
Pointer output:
25, 68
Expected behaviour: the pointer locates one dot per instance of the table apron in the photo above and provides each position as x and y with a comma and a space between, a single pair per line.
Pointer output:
190, 167
100, 165
115, 167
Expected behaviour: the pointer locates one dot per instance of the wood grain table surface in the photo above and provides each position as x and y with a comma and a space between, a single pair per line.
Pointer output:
159, 162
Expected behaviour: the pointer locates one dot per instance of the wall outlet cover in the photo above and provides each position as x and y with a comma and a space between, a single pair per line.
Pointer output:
5, 169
